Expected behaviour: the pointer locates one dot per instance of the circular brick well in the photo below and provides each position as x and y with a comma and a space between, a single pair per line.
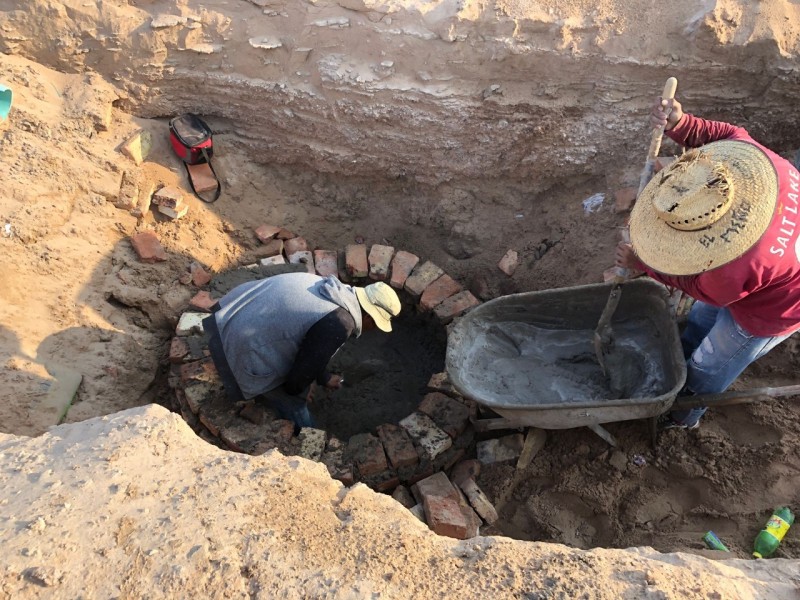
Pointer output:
396, 421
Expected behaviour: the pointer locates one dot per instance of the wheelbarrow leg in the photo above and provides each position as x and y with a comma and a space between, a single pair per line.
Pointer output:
652, 423
603, 433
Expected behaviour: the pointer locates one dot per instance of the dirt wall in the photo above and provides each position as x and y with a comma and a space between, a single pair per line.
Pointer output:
523, 90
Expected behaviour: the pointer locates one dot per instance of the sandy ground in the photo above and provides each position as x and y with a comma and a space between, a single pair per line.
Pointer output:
509, 167
135, 505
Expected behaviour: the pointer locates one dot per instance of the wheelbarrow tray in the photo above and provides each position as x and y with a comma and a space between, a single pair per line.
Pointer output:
507, 377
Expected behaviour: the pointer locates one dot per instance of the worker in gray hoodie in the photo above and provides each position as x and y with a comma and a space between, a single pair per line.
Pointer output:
274, 337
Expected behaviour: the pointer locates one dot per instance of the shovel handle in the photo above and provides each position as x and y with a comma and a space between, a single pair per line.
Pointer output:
655, 138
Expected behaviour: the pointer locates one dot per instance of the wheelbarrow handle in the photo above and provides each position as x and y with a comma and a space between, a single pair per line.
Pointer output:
735, 397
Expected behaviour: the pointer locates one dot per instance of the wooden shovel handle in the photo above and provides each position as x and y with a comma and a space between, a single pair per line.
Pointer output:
655, 138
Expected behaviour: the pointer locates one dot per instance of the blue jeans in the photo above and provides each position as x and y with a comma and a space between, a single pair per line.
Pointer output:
292, 408
717, 350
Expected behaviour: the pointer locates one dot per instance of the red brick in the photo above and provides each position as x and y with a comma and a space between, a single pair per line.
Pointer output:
471, 405
450, 415
198, 348
199, 395
438, 291
423, 470
379, 259
442, 507
446, 460
217, 415
467, 469
278, 259
168, 197
427, 435
326, 262
312, 443
177, 350
436, 484
440, 382
343, 473
203, 301
295, 244
199, 275
421, 277
402, 265
470, 516
190, 323
267, 233
479, 501
341, 259
148, 247
403, 496
174, 213
455, 306
508, 264
303, 257
268, 248
201, 370
382, 482
356, 263
624, 199
398, 446
365, 451
285, 234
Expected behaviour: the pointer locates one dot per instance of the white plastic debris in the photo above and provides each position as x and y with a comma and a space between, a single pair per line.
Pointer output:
8, 231
593, 202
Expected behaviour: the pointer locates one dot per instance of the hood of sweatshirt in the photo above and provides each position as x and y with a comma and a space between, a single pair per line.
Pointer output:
343, 295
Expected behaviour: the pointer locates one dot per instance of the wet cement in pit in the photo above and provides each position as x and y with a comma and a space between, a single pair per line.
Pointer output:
385, 375
524, 364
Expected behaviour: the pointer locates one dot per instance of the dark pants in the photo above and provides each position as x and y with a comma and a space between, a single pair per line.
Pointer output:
292, 408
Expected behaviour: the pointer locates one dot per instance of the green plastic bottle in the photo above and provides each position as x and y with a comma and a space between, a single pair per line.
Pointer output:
768, 540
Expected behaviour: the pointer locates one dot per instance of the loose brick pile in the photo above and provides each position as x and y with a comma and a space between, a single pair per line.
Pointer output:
413, 453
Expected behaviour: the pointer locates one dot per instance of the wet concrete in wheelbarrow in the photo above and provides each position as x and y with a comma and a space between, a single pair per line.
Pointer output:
524, 364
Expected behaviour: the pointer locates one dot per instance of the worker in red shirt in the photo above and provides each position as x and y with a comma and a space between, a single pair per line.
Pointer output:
721, 224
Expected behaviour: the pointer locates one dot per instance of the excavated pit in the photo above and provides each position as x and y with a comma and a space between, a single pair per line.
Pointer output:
454, 144
385, 376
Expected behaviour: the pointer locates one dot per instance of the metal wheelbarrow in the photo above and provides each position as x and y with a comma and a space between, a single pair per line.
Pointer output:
529, 357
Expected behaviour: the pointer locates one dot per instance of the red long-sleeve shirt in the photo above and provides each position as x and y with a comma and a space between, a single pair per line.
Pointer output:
761, 288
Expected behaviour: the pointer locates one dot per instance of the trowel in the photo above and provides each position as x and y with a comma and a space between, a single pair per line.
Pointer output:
603, 334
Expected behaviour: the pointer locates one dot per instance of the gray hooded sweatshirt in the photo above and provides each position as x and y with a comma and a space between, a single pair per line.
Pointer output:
262, 323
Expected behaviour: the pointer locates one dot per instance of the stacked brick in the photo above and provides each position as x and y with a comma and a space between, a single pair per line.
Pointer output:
427, 442
425, 283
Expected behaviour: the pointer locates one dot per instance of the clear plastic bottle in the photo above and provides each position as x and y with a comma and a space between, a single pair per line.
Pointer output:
768, 540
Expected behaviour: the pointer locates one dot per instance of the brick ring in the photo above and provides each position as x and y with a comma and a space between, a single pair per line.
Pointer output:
431, 439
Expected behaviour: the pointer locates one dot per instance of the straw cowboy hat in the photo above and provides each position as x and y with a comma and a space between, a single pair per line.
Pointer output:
706, 209
380, 302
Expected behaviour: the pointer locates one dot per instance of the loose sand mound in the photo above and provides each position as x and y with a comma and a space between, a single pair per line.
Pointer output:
135, 505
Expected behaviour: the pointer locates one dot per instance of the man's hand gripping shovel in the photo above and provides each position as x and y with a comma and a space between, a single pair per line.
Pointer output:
603, 334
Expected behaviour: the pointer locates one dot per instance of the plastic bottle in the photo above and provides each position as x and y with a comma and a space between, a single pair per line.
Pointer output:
770, 537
